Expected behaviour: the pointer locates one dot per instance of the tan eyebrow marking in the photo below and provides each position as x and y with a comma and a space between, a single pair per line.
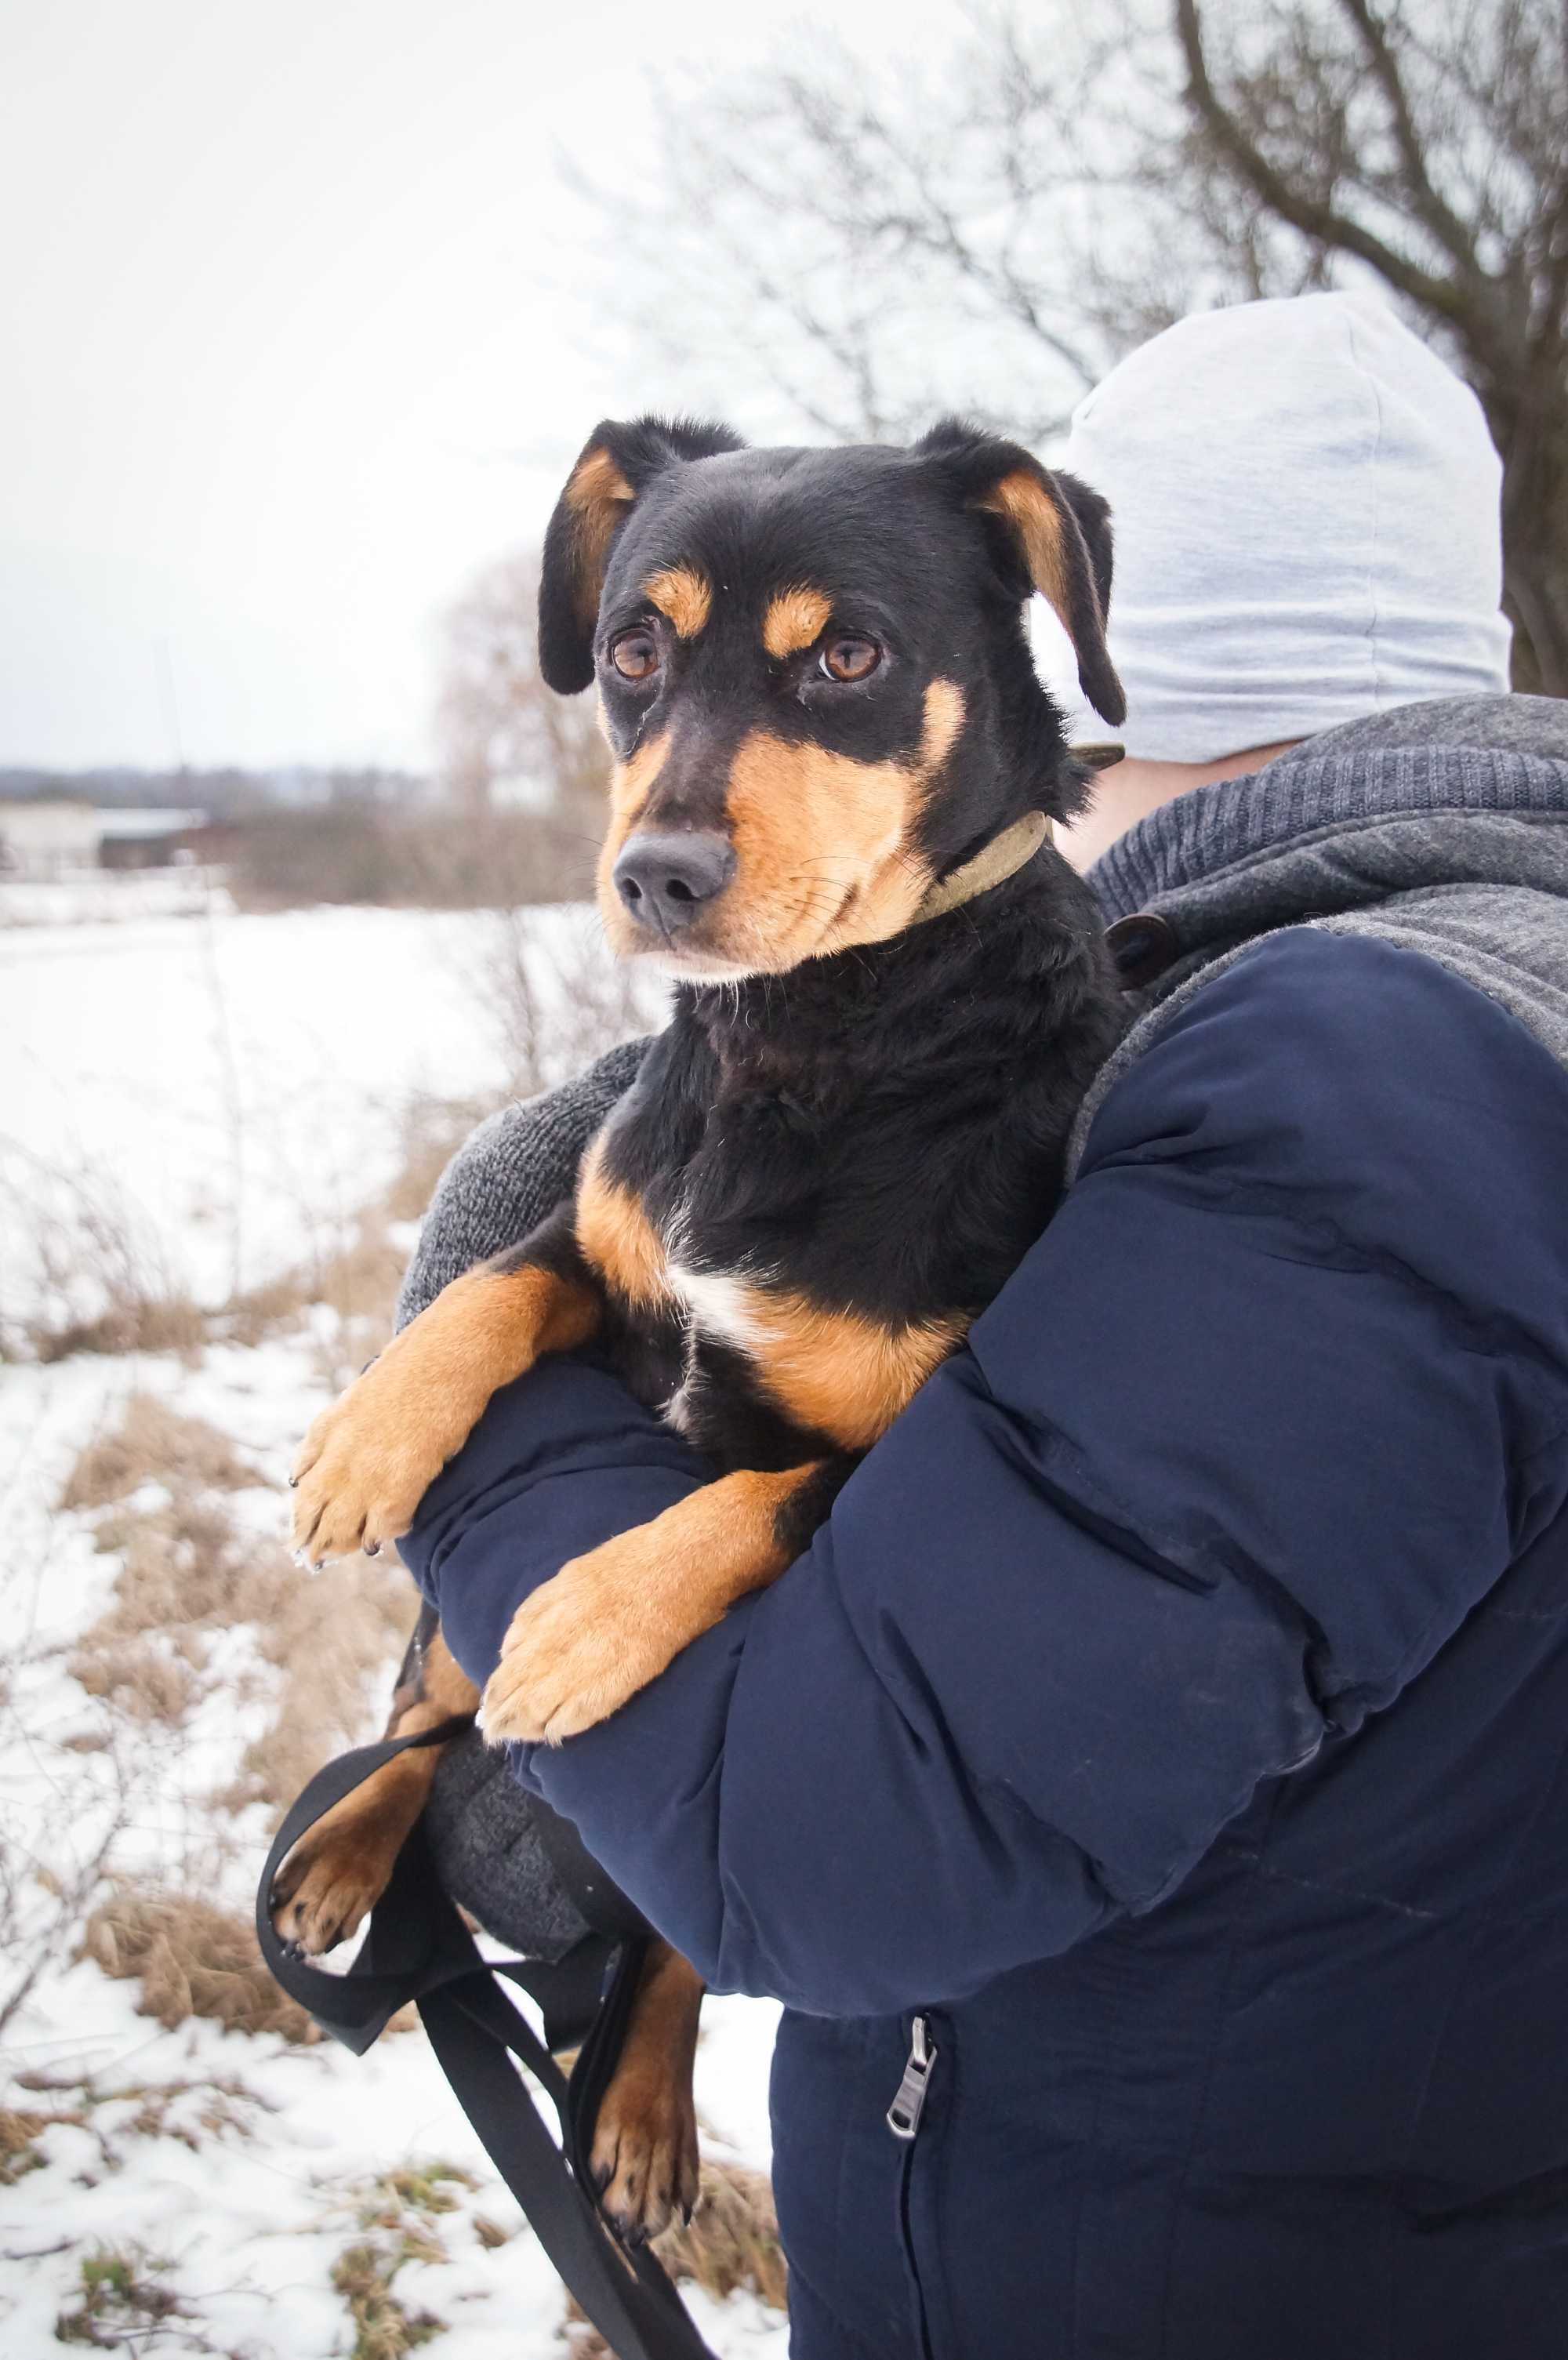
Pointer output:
681, 594
794, 619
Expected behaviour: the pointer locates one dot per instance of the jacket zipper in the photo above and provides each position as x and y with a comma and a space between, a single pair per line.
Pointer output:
904, 2114
904, 2121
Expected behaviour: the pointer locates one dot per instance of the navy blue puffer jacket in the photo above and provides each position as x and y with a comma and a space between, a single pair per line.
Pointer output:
1169, 1732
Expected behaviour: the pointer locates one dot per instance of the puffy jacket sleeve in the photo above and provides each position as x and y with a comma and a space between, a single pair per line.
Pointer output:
1271, 1406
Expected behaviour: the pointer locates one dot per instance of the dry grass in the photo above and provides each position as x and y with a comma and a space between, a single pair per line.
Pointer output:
193, 1959
139, 1678
384, 2327
731, 2242
395, 2214
187, 1571
732, 2238
154, 1444
412, 2186
19, 2131
334, 1637
124, 2305
135, 1323
97, 1280
357, 1277
194, 2111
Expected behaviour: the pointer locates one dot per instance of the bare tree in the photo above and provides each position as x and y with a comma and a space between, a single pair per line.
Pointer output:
497, 722
994, 231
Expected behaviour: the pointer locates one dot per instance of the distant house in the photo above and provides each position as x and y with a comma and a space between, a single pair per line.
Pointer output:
152, 839
40, 842
45, 840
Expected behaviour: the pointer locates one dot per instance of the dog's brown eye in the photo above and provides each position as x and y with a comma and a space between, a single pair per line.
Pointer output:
635, 655
851, 658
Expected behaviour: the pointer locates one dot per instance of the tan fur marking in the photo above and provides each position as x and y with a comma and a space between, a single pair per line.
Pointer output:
368, 1460
837, 1372
794, 619
610, 1622
1030, 509
645, 2136
684, 597
617, 1236
596, 479
597, 493
631, 783
945, 709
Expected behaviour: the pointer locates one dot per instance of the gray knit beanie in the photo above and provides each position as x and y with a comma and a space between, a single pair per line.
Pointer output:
1305, 507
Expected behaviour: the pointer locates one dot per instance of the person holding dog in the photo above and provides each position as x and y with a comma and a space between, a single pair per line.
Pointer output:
1149, 1794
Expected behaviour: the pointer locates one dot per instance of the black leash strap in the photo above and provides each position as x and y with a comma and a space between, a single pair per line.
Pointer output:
417, 1948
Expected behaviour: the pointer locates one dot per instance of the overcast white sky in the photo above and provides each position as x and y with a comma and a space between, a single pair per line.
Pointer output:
291, 337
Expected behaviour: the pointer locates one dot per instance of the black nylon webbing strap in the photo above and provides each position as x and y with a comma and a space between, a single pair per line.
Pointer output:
417, 1948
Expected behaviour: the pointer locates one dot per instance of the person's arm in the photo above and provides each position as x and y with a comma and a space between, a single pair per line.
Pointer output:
1274, 1403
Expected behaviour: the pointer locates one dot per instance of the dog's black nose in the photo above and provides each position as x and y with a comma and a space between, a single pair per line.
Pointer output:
667, 881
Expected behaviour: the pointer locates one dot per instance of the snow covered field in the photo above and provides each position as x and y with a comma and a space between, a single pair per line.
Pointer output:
211, 1105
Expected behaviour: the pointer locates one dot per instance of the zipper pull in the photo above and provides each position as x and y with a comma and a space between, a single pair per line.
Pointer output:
904, 2114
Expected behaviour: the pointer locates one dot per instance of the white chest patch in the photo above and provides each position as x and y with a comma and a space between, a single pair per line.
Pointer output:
719, 1305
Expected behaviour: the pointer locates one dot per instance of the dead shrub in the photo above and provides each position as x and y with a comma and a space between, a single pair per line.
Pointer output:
155, 1444
193, 1959
136, 1323
141, 1679
94, 1274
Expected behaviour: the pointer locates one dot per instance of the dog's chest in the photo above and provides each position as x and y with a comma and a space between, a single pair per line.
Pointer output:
831, 1371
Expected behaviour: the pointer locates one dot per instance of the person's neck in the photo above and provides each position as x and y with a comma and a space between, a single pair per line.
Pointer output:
1132, 789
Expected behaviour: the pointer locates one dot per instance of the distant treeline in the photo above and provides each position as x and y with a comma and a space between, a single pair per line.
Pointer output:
357, 851
227, 794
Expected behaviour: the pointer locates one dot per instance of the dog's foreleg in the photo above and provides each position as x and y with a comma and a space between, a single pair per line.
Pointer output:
368, 1460
610, 1622
645, 2139
338, 1868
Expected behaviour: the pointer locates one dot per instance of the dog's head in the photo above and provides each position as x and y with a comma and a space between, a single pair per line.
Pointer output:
814, 675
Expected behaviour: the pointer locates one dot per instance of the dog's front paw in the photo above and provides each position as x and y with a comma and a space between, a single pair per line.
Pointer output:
575, 1652
645, 2158
366, 1465
335, 1873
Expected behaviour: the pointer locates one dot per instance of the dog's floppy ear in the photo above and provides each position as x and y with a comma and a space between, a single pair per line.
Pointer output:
1053, 534
618, 462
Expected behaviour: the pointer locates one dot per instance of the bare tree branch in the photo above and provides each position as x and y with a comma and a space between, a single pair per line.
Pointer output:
1313, 216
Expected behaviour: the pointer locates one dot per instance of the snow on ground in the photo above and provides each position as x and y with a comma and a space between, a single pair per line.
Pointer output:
233, 1088
240, 1084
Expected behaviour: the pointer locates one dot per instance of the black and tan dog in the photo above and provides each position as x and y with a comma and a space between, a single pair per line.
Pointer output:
833, 769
